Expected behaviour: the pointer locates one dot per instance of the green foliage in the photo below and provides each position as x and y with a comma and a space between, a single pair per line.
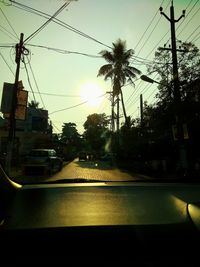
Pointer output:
33, 104
188, 68
71, 140
119, 69
96, 132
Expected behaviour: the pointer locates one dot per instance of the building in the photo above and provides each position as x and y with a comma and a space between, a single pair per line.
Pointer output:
33, 132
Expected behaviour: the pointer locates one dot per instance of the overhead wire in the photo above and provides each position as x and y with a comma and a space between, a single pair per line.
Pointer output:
162, 39
7, 64
15, 34
82, 103
193, 33
185, 25
57, 21
8, 33
28, 78
57, 95
58, 50
36, 84
47, 22
147, 27
197, 36
145, 59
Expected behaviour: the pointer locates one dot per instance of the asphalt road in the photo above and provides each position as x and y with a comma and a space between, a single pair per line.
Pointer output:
95, 170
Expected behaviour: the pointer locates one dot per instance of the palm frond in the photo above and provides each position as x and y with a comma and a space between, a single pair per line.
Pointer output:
107, 55
105, 69
134, 70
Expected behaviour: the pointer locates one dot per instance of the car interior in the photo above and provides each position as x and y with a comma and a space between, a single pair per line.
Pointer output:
136, 223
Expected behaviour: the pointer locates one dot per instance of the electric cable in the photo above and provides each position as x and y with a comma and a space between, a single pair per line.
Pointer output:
64, 51
7, 64
82, 103
57, 21
15, 34
47, 22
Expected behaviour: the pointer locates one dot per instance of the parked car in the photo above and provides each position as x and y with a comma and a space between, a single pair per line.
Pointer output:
42, 161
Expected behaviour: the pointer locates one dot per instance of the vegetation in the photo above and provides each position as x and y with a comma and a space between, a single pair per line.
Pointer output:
96, 134
152, 145
118, 69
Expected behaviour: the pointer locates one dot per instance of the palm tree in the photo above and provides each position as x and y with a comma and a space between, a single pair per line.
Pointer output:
118, 70
33, 104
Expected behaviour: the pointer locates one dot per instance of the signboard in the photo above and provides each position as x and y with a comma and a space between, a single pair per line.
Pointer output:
22, 98
20, 112
7, 96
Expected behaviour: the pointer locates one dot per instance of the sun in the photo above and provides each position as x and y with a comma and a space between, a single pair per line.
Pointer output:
92, 93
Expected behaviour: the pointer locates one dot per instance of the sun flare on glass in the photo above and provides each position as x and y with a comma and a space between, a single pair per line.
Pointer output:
92, 93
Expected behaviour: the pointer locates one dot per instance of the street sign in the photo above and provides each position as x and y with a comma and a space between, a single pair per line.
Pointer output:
22, 98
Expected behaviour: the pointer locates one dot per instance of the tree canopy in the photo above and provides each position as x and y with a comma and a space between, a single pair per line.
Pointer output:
118, 69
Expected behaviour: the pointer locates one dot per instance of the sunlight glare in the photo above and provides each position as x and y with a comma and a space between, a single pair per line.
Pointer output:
92, 93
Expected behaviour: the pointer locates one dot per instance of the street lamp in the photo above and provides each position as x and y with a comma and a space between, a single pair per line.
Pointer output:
147, 79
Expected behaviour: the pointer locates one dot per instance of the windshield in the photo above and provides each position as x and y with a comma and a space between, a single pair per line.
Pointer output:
105, 90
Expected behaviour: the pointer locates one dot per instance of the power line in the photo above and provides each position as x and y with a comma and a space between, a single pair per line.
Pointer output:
7, 64
193, 33
64, 51
7, 45
185, 26
47, 22
145, 42
57, 21
58, 95
8, 33
82, 103
9, 24
28, 78
148, 27
36, 84
196, 37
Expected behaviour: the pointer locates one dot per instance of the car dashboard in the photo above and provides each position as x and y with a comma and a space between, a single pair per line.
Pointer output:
89, 223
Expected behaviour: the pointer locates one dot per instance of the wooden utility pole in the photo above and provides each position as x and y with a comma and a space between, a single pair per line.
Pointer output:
11, 135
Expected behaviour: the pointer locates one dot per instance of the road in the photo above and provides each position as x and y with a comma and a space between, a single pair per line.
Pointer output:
95, 170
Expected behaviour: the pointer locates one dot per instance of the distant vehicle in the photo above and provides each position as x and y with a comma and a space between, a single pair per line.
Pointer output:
42, 161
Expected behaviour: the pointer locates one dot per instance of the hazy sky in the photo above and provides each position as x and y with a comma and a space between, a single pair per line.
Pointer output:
61, 76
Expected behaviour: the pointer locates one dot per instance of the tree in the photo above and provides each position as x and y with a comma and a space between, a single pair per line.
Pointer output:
188, 68
33, 104
96, 131
118, 69
71, 139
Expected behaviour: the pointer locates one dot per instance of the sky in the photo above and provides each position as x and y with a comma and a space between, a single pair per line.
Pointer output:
61, 81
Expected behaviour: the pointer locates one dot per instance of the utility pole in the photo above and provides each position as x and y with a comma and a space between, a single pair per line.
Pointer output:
11, 135
177, 97
117, 114
141, 111
112, 100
